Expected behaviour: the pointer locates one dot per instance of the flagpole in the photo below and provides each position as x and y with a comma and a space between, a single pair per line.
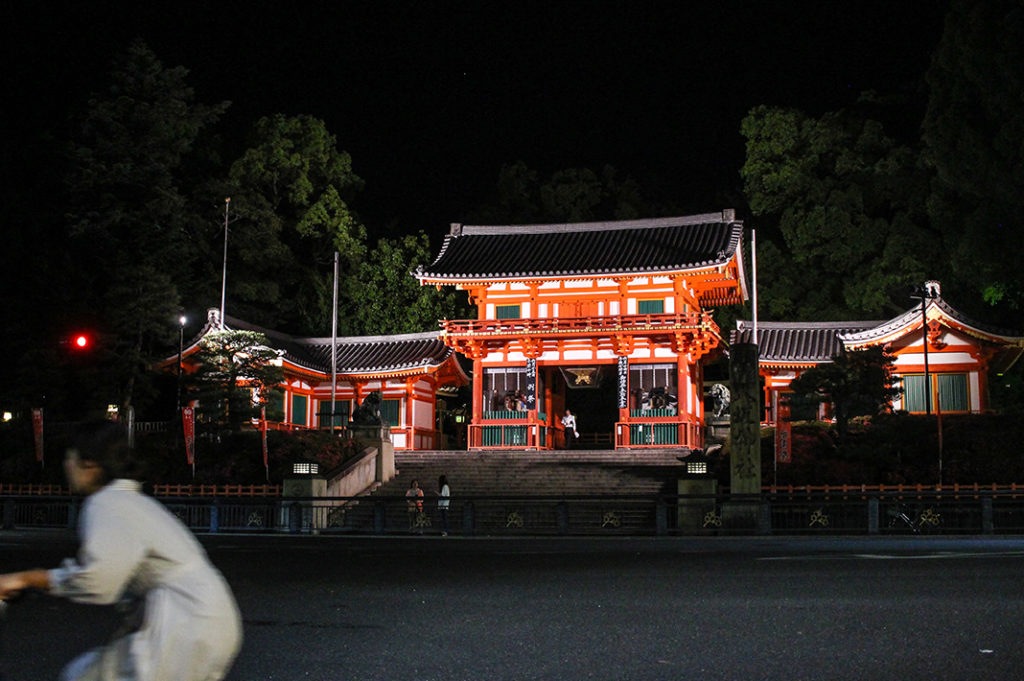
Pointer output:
224, 272
753, 256
334, 342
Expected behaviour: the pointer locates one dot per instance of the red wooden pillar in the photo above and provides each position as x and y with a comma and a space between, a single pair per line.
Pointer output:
478, 404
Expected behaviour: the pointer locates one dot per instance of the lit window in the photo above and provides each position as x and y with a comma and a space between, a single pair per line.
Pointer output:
697, 467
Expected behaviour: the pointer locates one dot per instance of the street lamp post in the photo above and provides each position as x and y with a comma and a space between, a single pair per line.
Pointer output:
926, 293
181, 347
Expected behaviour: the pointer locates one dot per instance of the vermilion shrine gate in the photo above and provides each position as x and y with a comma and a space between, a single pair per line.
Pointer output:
563, 308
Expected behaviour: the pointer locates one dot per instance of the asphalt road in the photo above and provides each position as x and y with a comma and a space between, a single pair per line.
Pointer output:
526, 608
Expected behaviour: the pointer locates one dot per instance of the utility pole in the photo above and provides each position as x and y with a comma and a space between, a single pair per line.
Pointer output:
334, 342
926, 293
224, 273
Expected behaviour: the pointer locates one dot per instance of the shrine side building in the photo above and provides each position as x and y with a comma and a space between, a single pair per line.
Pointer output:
942, 359
407, 371
609, 319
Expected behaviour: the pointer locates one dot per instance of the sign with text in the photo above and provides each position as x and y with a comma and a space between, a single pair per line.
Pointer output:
783, 430
530, 393
623, 382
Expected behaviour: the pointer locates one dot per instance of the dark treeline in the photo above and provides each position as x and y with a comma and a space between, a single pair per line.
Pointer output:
114, 222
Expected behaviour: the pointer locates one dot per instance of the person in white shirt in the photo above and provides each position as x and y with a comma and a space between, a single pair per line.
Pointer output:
444, 494
184, 624
569, 425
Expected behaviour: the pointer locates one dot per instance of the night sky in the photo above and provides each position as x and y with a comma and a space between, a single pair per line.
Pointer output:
431, 98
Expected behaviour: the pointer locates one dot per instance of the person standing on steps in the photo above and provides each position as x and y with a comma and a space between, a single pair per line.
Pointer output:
444, 493
569, 425
414, 502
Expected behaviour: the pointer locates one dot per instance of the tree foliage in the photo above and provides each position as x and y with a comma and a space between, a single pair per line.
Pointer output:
237, 375
291, 191
855, 383
973, 135
130, 216
849, 204
390, 299
567, 195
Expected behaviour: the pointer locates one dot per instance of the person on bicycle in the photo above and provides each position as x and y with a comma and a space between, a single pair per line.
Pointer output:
183, 623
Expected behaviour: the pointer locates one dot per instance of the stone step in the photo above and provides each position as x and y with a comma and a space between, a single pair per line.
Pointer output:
540, 473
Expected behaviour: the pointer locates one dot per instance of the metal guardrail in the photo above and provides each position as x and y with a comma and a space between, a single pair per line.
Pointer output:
571, 515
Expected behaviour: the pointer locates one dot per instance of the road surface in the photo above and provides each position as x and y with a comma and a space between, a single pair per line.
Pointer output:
417, 608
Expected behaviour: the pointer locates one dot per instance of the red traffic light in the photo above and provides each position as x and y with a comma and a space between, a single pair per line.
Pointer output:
81, 341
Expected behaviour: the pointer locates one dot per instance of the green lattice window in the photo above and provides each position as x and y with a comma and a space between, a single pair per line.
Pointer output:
650, 306
506, 312
953, 392
391, 412
300, 404
951, 389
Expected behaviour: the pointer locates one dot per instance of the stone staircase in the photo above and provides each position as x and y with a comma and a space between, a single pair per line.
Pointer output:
503, 485
538, 473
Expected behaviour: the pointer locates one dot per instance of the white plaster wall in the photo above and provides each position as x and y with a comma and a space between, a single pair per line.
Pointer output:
421, 415
934, 358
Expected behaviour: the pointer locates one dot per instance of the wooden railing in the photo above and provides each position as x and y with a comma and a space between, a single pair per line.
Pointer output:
628, 324
659, 432
28, 489
825, 491
217, 490
513, 430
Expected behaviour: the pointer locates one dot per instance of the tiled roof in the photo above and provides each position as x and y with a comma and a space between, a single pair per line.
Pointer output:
797, 342
356, 354
802, 342
589, 248
937, 307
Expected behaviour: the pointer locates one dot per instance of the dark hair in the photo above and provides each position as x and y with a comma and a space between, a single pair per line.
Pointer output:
105, 443
441, 482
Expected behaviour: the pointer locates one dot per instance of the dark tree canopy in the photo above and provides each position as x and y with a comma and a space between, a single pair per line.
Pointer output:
568, 195
388, 299
974, 142
848, 201
131, 219
291, 193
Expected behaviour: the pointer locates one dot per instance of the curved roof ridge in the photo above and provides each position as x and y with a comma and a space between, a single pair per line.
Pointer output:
747, 324
598, 226
384, 338
586, 249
